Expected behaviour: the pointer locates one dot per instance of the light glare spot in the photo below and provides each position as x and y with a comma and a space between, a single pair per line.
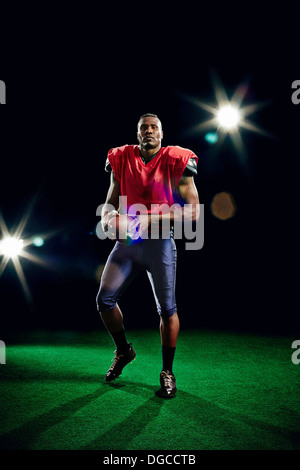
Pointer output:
228, 117
223, 206
211, 137
11, 247
38, 241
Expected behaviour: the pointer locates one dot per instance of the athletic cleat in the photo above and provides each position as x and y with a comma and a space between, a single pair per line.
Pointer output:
119, 362
168, 384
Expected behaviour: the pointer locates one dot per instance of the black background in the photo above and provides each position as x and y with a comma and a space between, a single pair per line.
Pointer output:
77, 81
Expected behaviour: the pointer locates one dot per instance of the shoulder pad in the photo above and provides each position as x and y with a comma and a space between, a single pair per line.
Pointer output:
107, 166
191, 168
117, 151
177, 152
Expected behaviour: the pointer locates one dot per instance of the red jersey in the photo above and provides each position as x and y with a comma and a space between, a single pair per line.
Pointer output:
149, 183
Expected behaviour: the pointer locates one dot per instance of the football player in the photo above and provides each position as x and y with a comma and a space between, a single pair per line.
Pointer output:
154, 176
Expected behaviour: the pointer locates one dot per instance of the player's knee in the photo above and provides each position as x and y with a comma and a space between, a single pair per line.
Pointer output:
105, 301
167, 312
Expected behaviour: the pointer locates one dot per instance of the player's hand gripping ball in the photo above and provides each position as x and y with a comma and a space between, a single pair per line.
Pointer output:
122, 226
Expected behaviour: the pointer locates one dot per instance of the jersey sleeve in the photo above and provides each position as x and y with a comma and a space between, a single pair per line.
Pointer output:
183, 161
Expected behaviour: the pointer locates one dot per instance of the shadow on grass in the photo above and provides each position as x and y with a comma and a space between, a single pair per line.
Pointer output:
120, 435
23, 436
192, 422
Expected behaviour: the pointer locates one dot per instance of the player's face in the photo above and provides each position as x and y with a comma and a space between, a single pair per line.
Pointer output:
149, 133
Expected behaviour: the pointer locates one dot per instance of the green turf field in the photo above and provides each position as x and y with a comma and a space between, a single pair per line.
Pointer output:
235, 391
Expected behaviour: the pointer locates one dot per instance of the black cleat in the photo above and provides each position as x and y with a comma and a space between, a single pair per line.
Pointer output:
119, 362
168, 384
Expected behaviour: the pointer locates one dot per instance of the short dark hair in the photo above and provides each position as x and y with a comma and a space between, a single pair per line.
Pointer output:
150, 115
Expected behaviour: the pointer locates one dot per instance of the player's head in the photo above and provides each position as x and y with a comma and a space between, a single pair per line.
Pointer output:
149, 131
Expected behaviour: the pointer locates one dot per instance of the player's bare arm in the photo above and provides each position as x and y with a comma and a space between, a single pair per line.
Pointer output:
188, 192
112, 199
189, 212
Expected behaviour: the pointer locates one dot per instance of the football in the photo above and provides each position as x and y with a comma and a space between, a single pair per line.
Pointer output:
121, 226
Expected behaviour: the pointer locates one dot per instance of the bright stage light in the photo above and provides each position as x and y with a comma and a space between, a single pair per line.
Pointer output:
228, 117
11, 247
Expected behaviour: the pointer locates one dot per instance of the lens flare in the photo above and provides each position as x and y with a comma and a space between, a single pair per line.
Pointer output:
11, 247
223, 206
229, 117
